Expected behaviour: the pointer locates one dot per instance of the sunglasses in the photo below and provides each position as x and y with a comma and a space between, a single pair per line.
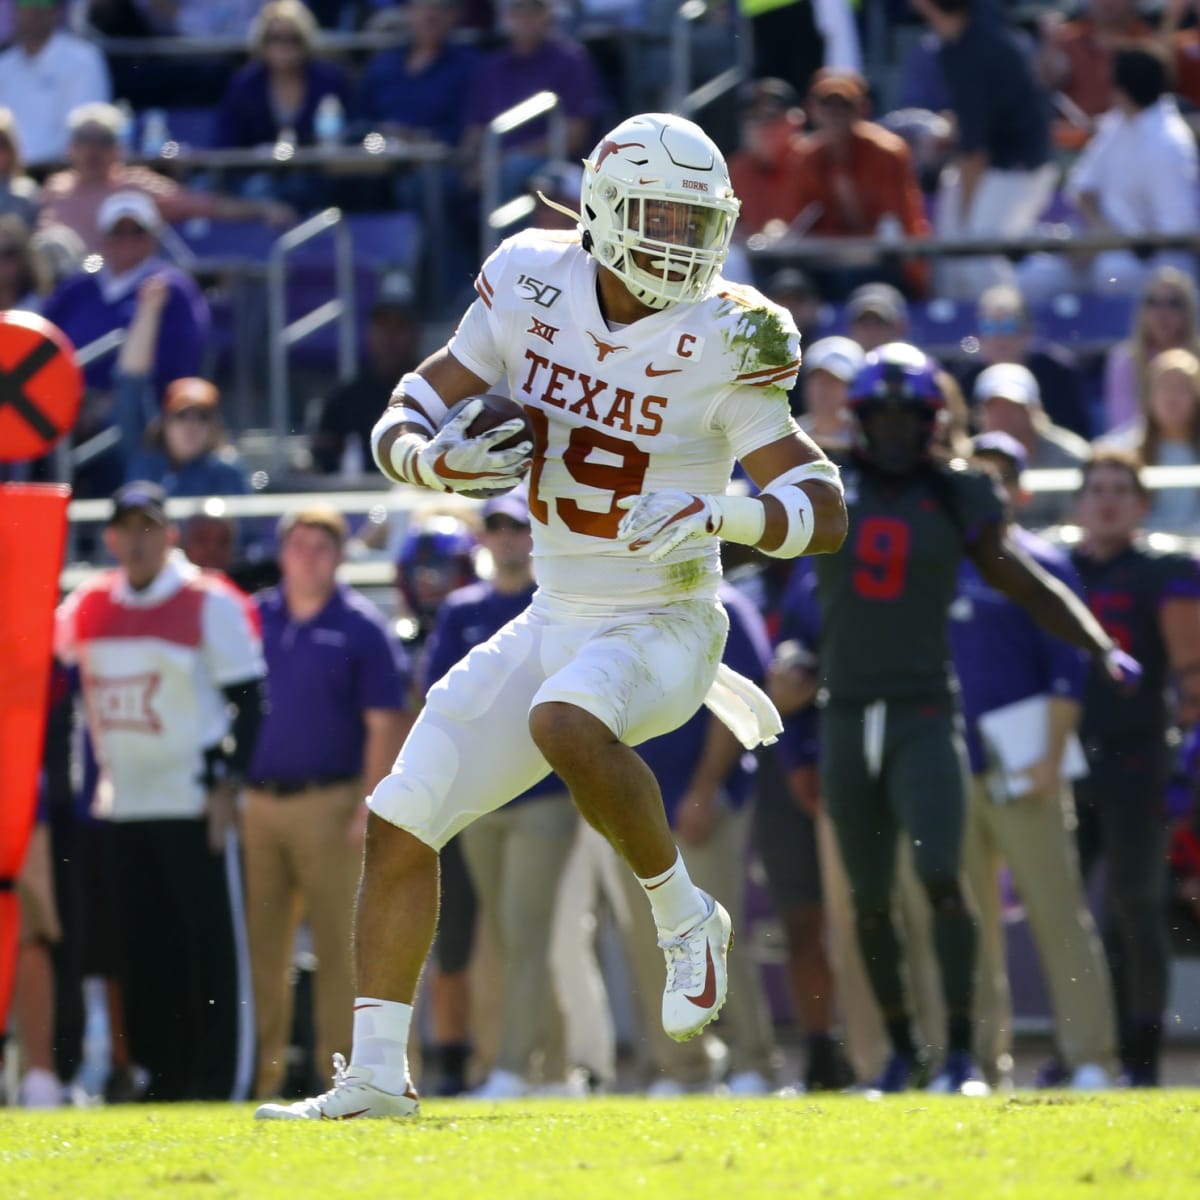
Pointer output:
1164, 302
996, 326
192, 414
286, 39
93, 137
496, 524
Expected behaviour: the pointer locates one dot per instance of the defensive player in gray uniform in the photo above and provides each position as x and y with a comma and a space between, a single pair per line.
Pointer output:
892, 754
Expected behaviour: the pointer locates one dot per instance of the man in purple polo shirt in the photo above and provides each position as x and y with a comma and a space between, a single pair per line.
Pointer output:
332, 667
705, 777
1001, 657
535, 58
516, 854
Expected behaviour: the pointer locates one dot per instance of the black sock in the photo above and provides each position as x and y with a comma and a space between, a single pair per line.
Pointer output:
959, 1039
899, 1031
1143, 1042
454, 1057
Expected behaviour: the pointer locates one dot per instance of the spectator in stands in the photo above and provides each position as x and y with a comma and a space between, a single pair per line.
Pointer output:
1137, 175
857, 180
275, 96
922, 84
535, 57
92, 304
199, 18
829, 366
342, 441
418, 92
1006, 335
171, 667
1001, 177
209, 541
18, 193
58, 253
1008, 400
763, 169
46, 73
1168, 435
73, 197
331, 666
1166, 319
180, 441
877, 314
1183, 46
516, 855
18, 277
1075, 57
793, 39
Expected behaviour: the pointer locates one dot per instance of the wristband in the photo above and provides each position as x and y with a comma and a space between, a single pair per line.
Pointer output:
800, 520
739, 518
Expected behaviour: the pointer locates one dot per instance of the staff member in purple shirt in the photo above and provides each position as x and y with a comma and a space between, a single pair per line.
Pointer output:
515, 855
337, 683
1002, 657
706, 777
535, 58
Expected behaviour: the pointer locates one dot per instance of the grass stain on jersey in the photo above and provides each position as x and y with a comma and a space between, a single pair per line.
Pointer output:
758, 338
687, 576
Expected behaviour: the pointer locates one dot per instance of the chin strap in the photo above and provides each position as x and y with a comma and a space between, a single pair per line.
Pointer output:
562, 208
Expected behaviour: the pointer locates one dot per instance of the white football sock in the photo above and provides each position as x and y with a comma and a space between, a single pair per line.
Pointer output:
381, 1042
675, 900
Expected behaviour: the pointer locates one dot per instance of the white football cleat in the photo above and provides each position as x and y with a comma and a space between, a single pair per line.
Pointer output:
1091, 1077
353, 1095
40, 1088
697, 982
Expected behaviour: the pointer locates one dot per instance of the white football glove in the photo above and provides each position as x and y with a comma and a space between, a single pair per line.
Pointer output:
663, 521
453, 462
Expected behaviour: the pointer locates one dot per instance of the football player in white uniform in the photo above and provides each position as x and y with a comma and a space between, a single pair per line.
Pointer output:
644, 375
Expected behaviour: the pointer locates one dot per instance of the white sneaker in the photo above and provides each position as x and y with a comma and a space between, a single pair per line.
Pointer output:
499, 1085
747, 1083
665, 1089
40, 1088
1090, 1077
352, 1095
696, 979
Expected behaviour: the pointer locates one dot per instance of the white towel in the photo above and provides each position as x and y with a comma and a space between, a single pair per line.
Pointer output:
744, 708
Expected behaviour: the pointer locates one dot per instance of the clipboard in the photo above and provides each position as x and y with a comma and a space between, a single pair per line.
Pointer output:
1015, 738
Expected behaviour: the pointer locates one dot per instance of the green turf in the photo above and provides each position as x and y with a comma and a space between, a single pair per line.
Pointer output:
1051, 1147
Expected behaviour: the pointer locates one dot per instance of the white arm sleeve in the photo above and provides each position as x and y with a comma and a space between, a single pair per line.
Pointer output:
752, 418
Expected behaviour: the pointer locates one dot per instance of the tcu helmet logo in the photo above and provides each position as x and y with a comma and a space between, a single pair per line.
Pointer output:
542, 294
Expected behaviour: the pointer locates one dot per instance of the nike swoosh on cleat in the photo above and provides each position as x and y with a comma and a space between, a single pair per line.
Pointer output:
654, 371
346, 1116
709, 994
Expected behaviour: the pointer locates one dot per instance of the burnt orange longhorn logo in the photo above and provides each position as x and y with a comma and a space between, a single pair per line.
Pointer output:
603, 349
608, 147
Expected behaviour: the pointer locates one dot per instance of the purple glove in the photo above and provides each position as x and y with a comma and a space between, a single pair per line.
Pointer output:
1123, 669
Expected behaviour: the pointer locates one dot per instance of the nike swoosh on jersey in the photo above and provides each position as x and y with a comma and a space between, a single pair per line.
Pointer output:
652, 370
709, 994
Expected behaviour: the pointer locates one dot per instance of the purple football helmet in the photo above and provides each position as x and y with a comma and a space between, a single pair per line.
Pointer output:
896, 400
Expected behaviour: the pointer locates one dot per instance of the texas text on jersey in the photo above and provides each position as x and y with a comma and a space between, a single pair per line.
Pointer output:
667, 402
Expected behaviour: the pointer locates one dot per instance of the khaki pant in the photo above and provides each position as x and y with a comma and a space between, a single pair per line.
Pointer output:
299, 860
1035, 837
716, 867
516, 857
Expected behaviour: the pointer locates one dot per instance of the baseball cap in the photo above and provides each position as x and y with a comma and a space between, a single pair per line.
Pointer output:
789, 281
769, 97
139, 496
881, 300
1008, 381
190, 392
829, 81
395, 293
1004, 444
840, 356
514, 504
133, 206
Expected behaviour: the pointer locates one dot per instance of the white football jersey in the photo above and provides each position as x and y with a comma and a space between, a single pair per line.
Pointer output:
152, 665
669, 401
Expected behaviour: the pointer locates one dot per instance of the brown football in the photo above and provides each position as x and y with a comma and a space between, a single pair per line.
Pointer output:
496, 410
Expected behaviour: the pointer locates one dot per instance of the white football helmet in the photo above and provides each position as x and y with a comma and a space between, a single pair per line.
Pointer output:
657, 207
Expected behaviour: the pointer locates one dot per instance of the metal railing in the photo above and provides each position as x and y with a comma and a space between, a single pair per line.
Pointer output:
539, 105
681, 97
283, 335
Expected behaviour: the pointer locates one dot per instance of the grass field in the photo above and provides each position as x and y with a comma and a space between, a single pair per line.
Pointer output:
1047, 1146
